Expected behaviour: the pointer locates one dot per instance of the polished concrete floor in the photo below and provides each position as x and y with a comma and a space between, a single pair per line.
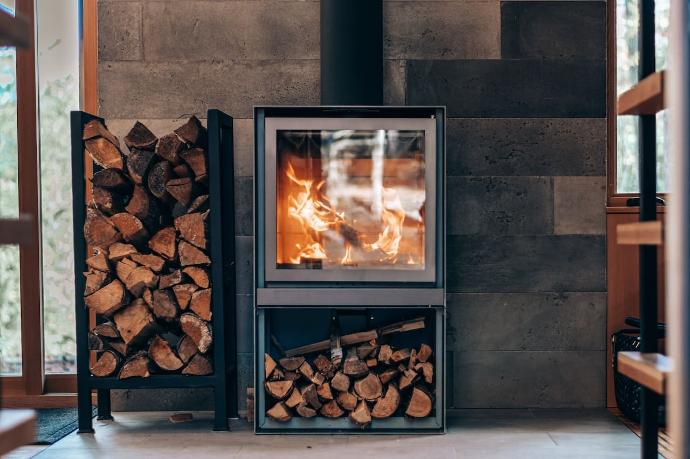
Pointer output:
475, 433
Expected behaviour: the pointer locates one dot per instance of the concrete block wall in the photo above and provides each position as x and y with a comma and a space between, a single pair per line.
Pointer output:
525, 86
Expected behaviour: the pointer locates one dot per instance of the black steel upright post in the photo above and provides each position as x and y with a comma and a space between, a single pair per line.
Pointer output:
648, 253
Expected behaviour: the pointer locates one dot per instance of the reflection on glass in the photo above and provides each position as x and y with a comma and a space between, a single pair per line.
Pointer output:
58, 86
350, 199
10, 312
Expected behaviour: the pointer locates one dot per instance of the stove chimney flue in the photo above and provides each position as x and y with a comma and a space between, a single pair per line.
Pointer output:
352, 52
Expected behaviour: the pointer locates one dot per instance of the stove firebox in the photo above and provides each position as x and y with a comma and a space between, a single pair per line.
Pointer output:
349, 219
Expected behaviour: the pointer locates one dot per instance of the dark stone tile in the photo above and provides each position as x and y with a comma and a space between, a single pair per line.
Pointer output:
528, 321
244, 259
500, 205
198, 399
492, 264
537, 146
548, 29
510, 88
245, 323
245, 378
244, 206
561, 379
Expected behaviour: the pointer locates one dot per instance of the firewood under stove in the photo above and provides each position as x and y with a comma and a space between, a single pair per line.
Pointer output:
147, 278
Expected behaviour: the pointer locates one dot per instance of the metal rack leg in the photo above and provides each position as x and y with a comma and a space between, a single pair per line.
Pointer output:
220, 396
85, 413
104, 405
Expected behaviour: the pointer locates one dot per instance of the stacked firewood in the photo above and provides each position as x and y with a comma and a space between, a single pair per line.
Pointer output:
374, 381
147, 277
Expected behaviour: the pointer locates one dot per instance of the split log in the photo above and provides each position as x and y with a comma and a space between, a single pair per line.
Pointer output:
324, 366
124, 268
331, 410
98, 230
192, 131
361, 415
371, 363
201, 303
107, 201
130, 227
388, 375
183, 294
140, 137
311, 397
95, 342
199, 204
400, 355
164, 243
291, 363
197, 329
192, 228
112, 179
98, 261
200, 365
163, 356
148, 297
107, 329
169, 148
181, 189
279, 389
420, 404
104, 153
388, 404
424, 353
279, 412
95, 128
324, 391
269, 365
308, 372
178, 210
164, 305
143, 206
190, 255
340, 382
135, 321
118, 251
196, 159
369, 388
427, 369
183, 170
139, 279
136, 366
354, 367
186, 349
385, 353
413, 359
277, 375
294, 399
364, 350
198, 274
305, 411
138, 164
168, 280
291, 375
106, 364
94, 281
119, 346
153, 262
160, 174
108, 299
347, 400
408, 378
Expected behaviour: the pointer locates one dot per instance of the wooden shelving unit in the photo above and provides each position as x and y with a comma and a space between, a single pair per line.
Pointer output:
14, 31
640, 233
645, 98
650, 370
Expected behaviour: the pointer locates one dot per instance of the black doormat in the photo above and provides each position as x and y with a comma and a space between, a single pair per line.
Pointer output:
54, 423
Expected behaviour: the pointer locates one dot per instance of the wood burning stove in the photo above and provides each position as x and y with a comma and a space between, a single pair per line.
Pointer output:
349, 238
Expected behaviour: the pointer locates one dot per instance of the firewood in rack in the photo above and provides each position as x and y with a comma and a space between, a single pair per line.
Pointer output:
412, 361
139, 279
420, 404
340, 382
196, 159
183, 294
164, 243
104, 153
291, 375
400, 355
136, 366
308, 372
427, 369
186, 349
151, 261
199, 204
119, 250
182, 189
107, 201
124, 268
347, 401
387, 405
168, 280
354, 367
311, 397
269, 366
385, 353
113, 180
201, 303
138, 164
160, 174
424, 353
106, 364
408, 378
98, 230
369, 388
279, 412
140, 137
134, 322
197, 329
94, 281
143, 206
95, 128
119, 346
279, 390
361, 414
200, 365
294, 399
107, 329
131, 228
164, 305
305, 411
163, 356
388, 375
183, 170
331, 410
98, 261
278, 375
324, 391
147, 296
95, 342
192, 228
364, 350
324, 366
198, 274
108, 299
190, 255
291, 363
192, 131
169, 148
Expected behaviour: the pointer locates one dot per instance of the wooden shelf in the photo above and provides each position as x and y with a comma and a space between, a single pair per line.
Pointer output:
645, 98
640, 233
650, 370
14, 31
17, 428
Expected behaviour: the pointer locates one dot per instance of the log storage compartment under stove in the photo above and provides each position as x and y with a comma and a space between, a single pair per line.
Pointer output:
349, 269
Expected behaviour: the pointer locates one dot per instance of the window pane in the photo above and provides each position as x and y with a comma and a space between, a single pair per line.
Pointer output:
10, 316
9, 202
58, 86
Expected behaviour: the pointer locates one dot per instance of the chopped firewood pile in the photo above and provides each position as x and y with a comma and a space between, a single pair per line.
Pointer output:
147, 277
373, 380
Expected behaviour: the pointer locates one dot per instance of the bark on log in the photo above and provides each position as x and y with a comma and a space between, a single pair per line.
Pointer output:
106, 364
311, 397
279, 412
98, 230
95, 342
107, 299
94, 281
200, 365
279, 390
95, 128
183, 294
119, 346
201, 303
134, 322
331, 410
388, 404
136, 366
104, 153
130, 227
199, 204
112, 179
168, 280
164, 243
198, 330
277, 375
369, 388
291, 363
340, 382
169, 148
291, 375
347, 400
196, 159
420, 404
190, 255
160, 174
192, 131
186, 349
140, 137
198, 274
361, 415
106, 329
138, 164
151, 261
163, 355
164, 305
192, 228
269, 365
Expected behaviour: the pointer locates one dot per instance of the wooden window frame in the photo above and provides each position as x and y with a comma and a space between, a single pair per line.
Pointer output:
34, 388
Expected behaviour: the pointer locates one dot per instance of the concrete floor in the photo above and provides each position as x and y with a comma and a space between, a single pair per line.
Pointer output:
474, 433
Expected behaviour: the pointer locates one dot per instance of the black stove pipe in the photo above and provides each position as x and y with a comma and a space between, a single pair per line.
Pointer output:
351, 52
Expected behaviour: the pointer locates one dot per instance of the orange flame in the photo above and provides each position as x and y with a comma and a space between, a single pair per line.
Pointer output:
393, 217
